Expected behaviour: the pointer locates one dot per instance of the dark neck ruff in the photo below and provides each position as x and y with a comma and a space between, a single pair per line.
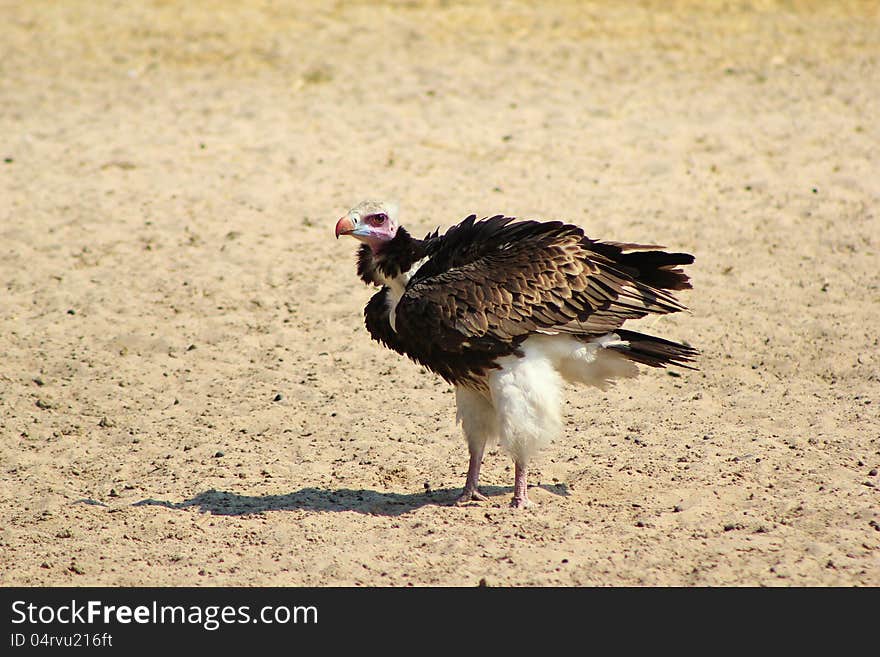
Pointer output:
391, 258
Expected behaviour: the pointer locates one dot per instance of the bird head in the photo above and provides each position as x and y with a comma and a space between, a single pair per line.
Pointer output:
372, 222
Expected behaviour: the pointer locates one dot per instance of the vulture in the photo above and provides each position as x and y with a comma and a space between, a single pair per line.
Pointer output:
507, 311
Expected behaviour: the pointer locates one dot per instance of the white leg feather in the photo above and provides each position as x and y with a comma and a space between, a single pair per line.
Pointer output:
527, 392
479, 421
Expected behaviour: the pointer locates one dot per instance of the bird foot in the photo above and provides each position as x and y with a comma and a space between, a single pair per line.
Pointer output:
468, 496
521, 502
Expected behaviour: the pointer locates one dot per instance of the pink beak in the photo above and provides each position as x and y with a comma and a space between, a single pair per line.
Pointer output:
344, 226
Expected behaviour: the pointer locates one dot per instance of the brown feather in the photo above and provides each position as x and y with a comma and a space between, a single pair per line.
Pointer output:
549, 273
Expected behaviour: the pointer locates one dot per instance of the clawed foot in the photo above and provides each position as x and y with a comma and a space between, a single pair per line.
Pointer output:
521, 502
470, 495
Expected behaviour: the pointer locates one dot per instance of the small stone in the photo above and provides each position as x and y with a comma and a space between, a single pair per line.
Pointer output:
106, 422
43, 404
482, 583
677, 509
277, 397
218, 455
71, 311
873, 472
113, 493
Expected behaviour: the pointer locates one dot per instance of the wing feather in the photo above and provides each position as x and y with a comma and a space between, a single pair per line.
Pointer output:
377, 322
498, 280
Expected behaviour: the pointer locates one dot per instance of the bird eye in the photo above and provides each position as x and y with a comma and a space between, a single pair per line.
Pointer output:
378, 219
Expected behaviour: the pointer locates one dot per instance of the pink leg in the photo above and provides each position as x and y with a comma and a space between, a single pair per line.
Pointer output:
471, 492
520, 488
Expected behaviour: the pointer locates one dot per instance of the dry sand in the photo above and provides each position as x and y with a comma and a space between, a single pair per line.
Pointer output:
188, 393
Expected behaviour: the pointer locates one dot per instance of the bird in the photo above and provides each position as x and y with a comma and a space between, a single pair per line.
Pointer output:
508, 311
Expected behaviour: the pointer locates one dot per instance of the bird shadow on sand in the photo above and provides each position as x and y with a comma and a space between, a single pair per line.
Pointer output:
369, 502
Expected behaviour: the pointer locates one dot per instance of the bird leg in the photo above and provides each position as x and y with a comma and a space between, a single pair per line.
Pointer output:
520, 488
471, 492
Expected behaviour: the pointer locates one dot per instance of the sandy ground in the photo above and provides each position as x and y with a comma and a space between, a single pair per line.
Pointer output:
188, 395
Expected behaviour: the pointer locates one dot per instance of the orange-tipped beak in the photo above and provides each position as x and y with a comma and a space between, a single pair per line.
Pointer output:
344, 226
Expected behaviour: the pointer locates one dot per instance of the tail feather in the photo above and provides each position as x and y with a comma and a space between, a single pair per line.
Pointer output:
653, 351
648, 264
660, 269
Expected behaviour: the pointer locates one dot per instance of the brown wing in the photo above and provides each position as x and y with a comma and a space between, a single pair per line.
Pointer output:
376, 321
525, 277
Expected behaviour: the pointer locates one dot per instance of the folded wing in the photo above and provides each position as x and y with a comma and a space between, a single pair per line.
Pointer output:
489, 284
